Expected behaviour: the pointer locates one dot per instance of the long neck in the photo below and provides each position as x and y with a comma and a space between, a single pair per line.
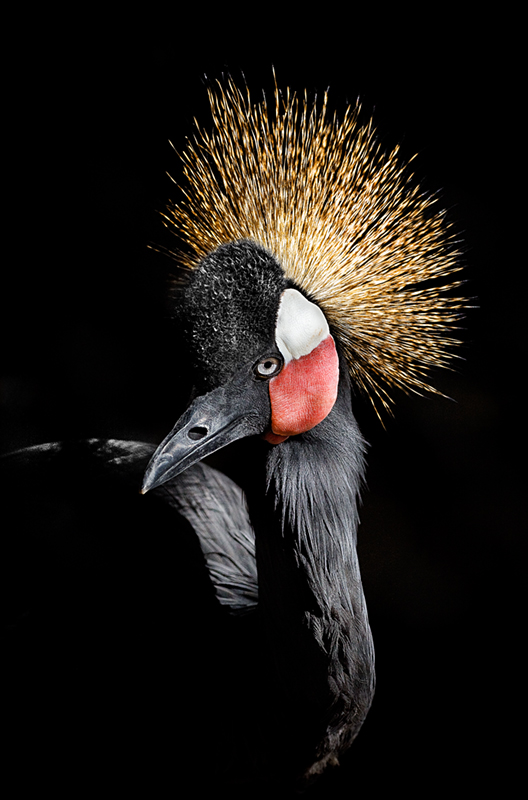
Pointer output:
310, 591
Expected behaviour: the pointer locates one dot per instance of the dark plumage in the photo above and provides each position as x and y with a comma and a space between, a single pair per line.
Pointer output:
310, 598
229, 307
208, 634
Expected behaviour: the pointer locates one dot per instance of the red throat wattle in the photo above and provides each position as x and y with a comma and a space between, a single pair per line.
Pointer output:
304, 393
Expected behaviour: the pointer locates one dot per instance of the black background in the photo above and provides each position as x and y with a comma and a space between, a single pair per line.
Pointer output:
87, 349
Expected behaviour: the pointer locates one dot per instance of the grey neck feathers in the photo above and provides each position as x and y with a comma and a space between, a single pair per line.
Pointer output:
315, 480
310, 590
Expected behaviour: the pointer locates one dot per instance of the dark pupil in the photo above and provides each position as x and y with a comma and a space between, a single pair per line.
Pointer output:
268, 365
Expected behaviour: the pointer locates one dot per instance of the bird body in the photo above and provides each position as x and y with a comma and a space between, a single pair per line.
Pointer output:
135, 621
303, 246
304, 512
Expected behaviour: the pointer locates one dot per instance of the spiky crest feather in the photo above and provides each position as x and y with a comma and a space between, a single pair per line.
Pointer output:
342, 217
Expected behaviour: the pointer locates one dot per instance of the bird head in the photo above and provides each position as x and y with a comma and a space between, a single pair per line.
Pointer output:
265, 360
299, 234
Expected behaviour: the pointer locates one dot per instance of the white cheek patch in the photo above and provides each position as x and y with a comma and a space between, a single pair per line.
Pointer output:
301, 326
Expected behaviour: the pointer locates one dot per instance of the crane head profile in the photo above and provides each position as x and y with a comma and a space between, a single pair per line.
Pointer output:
265, 356
303, 244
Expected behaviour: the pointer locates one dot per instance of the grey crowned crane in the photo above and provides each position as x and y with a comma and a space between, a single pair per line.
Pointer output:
303, 247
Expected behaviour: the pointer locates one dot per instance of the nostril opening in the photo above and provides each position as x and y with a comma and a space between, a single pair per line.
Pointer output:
197, 433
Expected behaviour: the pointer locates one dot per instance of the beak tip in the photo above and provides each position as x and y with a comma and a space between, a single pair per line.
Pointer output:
149, 481
158, 471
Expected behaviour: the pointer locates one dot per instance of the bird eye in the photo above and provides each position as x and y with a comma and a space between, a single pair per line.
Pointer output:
268, 367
